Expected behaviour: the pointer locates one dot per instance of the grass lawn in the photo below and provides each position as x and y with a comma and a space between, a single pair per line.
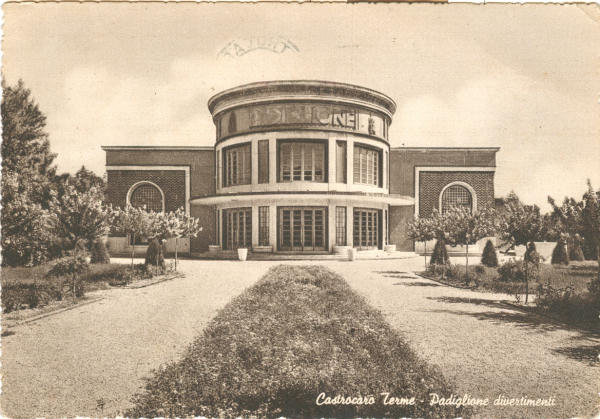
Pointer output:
28, 287
299, 332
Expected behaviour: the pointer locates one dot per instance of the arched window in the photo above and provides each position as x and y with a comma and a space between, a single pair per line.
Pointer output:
457, 195
148, 194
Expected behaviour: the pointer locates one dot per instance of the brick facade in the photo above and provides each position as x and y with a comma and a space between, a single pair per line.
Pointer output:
172, 183
431, 185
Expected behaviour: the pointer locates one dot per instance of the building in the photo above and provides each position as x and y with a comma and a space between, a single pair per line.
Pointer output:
299, 166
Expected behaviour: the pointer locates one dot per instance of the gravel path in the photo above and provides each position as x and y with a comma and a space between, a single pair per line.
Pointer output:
485, 348
71, 363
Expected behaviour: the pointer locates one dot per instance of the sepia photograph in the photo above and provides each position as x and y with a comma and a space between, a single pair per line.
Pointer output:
316, 210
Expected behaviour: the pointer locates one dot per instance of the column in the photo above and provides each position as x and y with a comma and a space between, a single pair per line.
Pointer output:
273, 226
349, 225
349, 161
331, 166
330, 226
272, 161
254, 224
254, 160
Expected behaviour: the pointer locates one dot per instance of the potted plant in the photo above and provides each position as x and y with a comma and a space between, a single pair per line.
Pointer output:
242, 253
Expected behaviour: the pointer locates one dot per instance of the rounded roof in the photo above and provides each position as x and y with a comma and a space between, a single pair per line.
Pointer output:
268, 91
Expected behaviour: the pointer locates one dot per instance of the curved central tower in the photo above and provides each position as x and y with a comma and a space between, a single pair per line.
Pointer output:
301, 166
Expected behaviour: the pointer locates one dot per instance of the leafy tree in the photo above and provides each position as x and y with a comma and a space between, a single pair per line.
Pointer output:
99, 253
439, 256
591, 221
575, 251
133, 222
465, 228
489, 257
27, 190
71, 266
520, 224
83, 181
421, 230
82, 216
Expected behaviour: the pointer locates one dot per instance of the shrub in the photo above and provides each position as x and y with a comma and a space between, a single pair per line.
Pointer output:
300, 331
99, 253
440, 253
489, 257
21, 295
575, 251
155, 255
511, 271
583, 308
72, 267
559, 254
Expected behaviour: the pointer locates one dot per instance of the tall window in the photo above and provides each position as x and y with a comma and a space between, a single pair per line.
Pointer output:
366, 165
263, 161
340, 162
301, 161
218, 167
263, 226
148, 195
237, 169
237, 228
366, 228
340, 226
456, 196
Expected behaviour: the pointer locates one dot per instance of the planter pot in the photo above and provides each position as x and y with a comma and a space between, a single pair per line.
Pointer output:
214, 248
352, 253
389, 248
242, 254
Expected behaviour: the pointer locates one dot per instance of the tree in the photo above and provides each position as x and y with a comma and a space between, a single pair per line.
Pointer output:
465, 228
133, 222
591, 219
81, 215
489, 257
421, 230
520, 224
27, 190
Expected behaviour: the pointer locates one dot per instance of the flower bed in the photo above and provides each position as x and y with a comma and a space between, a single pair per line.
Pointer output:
299, 333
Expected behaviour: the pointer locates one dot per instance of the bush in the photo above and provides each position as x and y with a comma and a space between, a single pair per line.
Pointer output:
22, 295
578, 308
559, 254
575, 251
489, 257
300, 331
99, 253
71, 267
512, 271
440, 253
155, 255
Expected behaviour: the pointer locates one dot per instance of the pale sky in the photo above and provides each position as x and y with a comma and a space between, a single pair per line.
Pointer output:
525, 78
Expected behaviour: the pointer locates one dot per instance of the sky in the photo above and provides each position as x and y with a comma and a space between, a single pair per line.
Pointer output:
525, 78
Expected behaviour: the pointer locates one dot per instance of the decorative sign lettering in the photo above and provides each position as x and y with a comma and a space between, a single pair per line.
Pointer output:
278, 114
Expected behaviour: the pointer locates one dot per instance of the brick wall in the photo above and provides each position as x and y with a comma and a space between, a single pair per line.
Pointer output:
432, 183
172, 183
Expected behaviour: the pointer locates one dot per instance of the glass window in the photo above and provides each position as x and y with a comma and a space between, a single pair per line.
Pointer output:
263, 161
366, 228
340, 226
237, 228
237, 165
147, 195
263, 226
301, 161
456, 196
340, 165
366, 166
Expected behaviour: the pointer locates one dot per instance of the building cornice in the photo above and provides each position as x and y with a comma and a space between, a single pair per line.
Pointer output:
155, 148
300, 89
494, 149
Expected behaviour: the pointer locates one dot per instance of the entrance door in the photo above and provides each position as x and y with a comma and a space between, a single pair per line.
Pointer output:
302, 229
367, 227
237, 228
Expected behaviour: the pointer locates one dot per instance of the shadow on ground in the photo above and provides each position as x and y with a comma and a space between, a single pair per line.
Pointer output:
417, 284
588, 354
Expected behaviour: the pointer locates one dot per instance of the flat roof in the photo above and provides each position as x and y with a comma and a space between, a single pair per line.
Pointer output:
156, 147
448, 148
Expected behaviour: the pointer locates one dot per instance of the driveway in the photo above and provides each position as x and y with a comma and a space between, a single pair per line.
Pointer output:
486, 348
90, 360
